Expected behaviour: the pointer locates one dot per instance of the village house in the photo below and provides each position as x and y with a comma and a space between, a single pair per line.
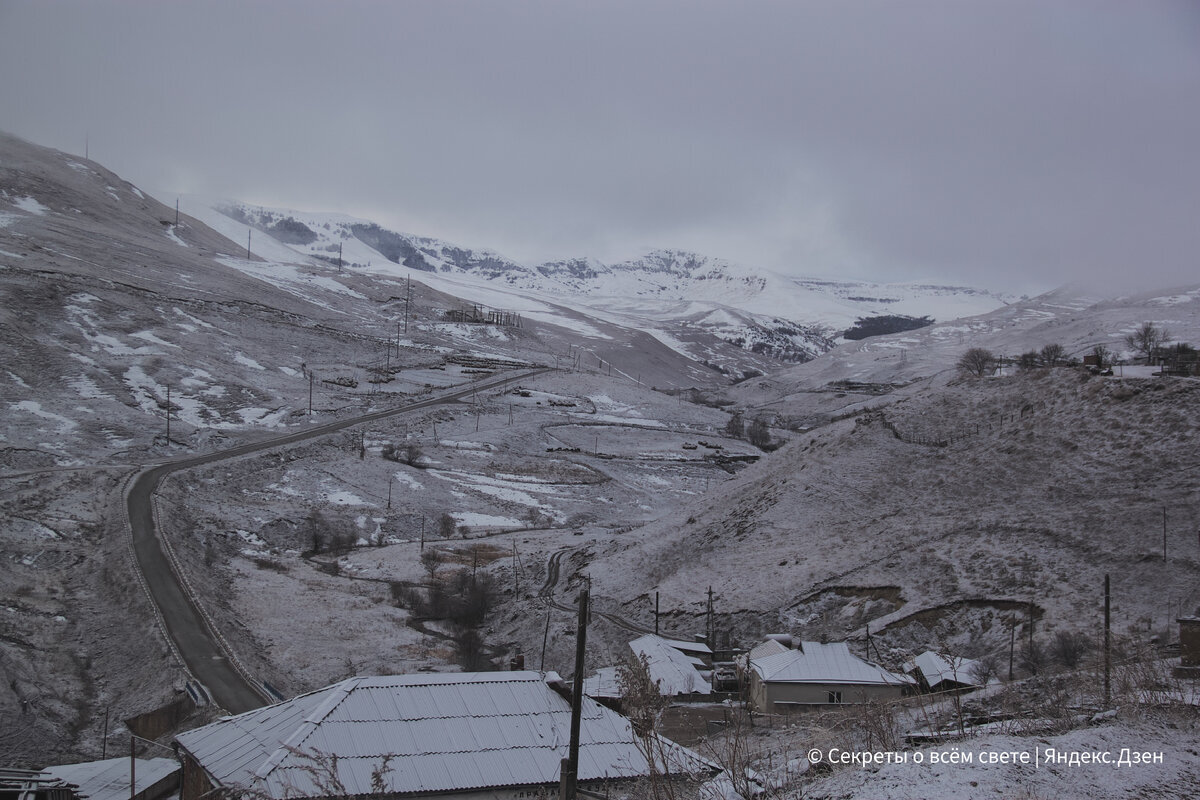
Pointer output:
815, 675
499, 735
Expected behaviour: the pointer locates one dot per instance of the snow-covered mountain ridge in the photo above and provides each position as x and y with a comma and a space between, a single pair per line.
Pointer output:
793, 319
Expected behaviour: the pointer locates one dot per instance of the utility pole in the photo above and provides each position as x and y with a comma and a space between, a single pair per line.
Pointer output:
656, 613
310, 388
1164, 533
168, 415
339, 256
407, 301
177, 211
248, 231
1107, 643
1032, 666
1012, 646
709, 633
389, 492
569, 770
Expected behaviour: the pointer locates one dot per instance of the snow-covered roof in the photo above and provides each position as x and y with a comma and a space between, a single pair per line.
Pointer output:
674, 672
823, 663
768, 648
687, 647
605, 683
109, 779
936, 668
443, 732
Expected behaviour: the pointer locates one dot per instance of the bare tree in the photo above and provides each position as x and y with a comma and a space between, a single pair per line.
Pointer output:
447, 526
758, 433
1053, 354
1148, 338
735, 427
431, 561
977, 362
1103, 356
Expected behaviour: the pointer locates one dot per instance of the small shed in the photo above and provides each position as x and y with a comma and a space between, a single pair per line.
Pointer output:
676, 672
938, 672
816, 675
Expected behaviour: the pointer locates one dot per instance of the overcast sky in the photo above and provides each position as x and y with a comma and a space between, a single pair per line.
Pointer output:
1006, 144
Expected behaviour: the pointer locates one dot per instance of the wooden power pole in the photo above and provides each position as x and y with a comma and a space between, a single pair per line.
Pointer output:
1107, 643
569, 770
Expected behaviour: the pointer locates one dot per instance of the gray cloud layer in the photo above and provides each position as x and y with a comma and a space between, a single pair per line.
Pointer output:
1010, 144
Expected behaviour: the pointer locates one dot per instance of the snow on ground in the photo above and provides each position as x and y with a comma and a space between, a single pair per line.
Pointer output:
87, 388
565, 321
150, 337
174, 237
246, 361
1175, 775
344, 498
30, 205
473, 519
65, 425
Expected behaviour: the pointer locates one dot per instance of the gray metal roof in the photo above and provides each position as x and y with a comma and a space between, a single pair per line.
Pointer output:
109, 779
443, 732
936, 668
674, 672
823, 663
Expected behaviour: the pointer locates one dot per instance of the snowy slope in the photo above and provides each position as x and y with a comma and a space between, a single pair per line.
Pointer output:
1072, 316
666, 293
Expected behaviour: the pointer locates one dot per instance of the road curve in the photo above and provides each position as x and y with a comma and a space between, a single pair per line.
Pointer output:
199, 645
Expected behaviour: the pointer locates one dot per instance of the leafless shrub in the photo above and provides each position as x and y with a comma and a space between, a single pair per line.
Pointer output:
1069, 647
265, 562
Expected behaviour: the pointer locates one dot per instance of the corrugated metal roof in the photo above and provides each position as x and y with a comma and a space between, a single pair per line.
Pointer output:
935, 668
674, 672
109, 779
769, 647
823, 663
688, 647
445, 732
605, 683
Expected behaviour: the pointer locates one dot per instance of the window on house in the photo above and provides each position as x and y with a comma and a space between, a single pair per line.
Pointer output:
834, 697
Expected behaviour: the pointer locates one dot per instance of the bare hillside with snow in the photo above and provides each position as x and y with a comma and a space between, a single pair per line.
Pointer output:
1052, 479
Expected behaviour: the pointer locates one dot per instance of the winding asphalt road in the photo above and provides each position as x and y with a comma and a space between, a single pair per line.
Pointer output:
201, 648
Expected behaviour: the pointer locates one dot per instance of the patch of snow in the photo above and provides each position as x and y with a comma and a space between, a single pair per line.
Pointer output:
246, 361
252, 539
86, 388
174, 237
30, 205
408, 480
150, 337
35, 408
474, 520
